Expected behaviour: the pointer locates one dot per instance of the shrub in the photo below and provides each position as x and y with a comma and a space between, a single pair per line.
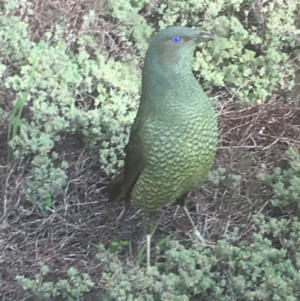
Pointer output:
285, 182
263, 267
69, 289
57, 102
249, 56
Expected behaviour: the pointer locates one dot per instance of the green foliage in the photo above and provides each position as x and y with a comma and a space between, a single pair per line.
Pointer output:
14, 120
248, 56
58, 96
117, 244
254, 269
70, 289
219, 175
134, 29
285, 182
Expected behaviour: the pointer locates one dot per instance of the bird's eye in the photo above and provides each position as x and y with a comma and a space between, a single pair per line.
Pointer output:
176, 39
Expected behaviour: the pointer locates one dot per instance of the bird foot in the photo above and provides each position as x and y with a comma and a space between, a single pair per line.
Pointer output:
196, 236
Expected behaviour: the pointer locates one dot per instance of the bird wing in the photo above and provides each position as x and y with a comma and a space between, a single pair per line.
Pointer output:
122, 185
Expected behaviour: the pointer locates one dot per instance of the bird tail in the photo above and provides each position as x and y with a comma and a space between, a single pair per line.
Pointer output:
115, 188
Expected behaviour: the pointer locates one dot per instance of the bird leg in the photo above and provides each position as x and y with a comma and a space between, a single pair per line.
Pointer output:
189, 217
176, 211
196, 232
148, 238
148, 227
181, 202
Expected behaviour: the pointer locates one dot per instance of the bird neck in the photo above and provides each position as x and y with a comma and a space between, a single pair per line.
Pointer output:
167, 64
166, 91
161, 76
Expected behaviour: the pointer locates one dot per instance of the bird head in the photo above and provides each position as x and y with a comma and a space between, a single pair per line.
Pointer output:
176, 45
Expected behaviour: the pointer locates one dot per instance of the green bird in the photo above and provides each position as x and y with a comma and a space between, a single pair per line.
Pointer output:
173, 139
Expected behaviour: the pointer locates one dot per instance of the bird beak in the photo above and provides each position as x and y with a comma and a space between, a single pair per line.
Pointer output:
203, 37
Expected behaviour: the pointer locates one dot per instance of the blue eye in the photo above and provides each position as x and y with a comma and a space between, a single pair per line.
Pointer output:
176, 39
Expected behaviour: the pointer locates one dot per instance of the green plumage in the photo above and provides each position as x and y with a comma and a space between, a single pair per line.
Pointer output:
173, 139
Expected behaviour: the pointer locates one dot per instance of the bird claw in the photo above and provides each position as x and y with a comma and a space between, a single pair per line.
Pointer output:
196, 236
